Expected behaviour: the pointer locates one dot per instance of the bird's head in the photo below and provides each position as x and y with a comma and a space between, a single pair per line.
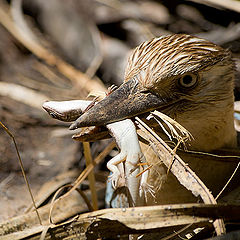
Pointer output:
180, 75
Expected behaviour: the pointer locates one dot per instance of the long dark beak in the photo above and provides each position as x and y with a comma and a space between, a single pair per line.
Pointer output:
129, 100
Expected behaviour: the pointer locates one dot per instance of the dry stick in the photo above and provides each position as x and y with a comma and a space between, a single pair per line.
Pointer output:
229, 4
36, 48
178, 167
89, 168
91, 177
229, 180
219, 156
84, 197
79, 180
22, 169
55, 196
49, 74
44, 232
177, 233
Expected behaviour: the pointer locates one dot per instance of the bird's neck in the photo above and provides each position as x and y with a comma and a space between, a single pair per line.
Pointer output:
212, 129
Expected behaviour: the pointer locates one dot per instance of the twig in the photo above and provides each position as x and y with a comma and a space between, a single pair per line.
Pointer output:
227, 4
22, 169
229, 180
55, 196
89, 168
178, 232
19, 93
91, 177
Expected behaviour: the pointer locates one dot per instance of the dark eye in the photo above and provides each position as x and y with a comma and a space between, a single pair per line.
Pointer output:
146, 91
188, 80
53, 115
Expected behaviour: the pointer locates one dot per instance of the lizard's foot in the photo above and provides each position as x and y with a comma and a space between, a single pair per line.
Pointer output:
146, 189
115, 165
115, 179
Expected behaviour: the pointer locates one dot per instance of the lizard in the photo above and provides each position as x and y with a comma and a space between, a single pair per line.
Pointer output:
125, 135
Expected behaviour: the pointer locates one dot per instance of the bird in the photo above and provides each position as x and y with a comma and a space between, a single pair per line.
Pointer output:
189, 79
192, 81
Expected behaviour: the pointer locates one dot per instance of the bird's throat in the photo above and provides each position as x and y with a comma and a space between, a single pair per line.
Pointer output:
211, 130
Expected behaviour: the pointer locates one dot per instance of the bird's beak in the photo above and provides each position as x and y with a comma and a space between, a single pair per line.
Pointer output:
129, 100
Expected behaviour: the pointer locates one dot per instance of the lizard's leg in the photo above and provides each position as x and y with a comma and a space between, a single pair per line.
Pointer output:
115, 166
126, 138
145, 187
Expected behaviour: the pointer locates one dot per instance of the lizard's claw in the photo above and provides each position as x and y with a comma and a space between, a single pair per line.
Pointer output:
146, 189
114, 179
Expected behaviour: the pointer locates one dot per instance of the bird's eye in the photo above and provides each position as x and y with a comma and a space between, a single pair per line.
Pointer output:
188, 80
145, 91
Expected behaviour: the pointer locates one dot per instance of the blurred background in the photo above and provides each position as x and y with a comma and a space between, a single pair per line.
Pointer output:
62, 50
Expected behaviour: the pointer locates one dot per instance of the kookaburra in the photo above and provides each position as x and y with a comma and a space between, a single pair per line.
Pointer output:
187, 78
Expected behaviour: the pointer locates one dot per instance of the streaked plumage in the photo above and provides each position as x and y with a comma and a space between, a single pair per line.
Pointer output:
173, 55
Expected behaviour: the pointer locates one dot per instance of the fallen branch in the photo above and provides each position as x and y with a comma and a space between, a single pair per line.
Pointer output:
19, 93
112, 223
224, 4
91, 176
27, 225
